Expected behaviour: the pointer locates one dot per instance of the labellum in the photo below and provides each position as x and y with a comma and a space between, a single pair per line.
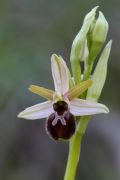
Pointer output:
61, 123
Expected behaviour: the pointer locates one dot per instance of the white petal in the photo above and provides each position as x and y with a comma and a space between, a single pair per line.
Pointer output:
37, 111
79, 107
60, 74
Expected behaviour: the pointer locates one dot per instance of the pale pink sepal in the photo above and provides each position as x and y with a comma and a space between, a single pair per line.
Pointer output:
80, 107
38, 111
60, 74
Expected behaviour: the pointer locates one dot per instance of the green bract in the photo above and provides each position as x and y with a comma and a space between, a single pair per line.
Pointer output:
99, 75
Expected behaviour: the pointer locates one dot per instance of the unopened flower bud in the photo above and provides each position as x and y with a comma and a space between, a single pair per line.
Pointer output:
79, 46
97, 36
79, 51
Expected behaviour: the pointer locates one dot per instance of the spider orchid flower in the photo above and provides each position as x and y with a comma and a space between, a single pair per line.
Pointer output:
62, 105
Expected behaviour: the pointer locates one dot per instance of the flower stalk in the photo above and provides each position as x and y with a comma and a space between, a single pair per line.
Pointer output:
75, 148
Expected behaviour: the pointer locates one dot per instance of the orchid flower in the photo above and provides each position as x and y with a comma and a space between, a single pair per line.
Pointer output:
62, 105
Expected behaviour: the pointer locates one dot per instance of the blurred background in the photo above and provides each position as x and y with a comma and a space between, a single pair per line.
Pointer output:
30, 31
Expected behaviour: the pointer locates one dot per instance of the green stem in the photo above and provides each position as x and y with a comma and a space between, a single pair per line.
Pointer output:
74, 149
76, 70
86, 76
88, 71
75, 142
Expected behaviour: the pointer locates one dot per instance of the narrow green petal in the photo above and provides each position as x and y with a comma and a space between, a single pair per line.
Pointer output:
99, 75
78, 89
43, 92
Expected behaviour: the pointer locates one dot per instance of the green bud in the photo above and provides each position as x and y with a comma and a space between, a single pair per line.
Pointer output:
99, 75
79, 44
79, 51
100, 29
97, 36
